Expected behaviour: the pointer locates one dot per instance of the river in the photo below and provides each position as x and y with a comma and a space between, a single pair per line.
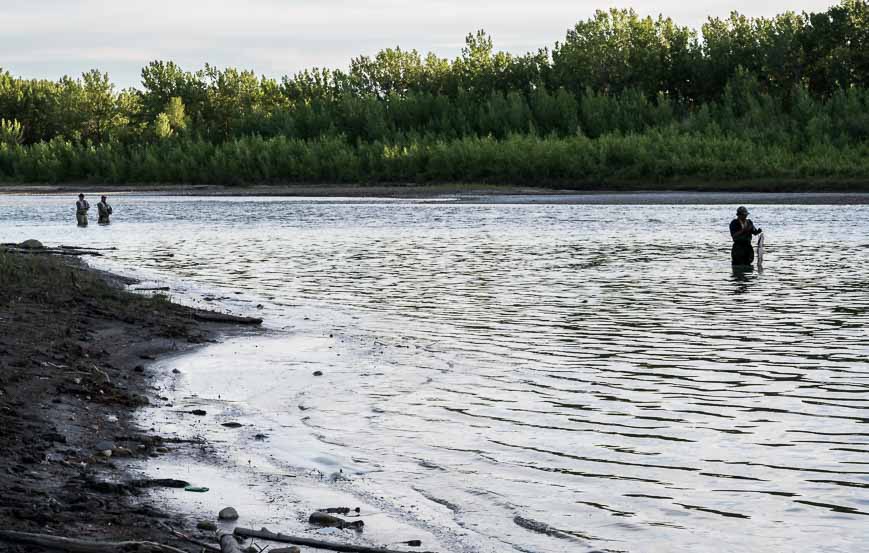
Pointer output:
539, 374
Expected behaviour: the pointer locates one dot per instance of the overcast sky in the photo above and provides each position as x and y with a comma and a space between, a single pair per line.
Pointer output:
50, 38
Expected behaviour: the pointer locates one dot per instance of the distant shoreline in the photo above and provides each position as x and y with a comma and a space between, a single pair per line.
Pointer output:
425, 191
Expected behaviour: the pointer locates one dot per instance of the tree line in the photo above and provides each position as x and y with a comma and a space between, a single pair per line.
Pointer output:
798, 82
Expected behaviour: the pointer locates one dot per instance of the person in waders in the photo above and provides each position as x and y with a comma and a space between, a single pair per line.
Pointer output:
104, 210
741, 230
81, 211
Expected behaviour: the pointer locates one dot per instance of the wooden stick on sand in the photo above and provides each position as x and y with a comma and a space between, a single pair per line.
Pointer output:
48, 541
347, 548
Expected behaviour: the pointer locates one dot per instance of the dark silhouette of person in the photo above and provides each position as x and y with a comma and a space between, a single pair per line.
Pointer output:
741, 230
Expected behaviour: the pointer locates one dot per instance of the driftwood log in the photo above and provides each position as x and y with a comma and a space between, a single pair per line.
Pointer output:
228, 543
89, 249
50, 251
213, 317
318, 544
47, 541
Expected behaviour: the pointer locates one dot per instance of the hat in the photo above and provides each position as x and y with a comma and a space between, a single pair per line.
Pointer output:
741, 210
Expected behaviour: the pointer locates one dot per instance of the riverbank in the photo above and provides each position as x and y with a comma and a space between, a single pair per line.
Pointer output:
433, 191
73, 351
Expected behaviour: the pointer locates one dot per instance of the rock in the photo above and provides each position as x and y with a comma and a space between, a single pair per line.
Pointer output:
176, 371
162, 449
198, 412
206, 525
318, 373
31, 244
290, 549
103, 445
232, 424
122, 452
228, 513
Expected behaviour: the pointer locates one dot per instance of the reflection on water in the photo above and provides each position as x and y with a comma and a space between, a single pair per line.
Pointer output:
557, 375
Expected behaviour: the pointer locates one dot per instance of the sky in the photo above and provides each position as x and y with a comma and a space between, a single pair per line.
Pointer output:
52, 38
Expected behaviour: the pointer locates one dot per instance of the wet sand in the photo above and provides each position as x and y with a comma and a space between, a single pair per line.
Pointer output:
74, 350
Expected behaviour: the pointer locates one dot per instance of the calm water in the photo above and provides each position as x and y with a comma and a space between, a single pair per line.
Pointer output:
593, 366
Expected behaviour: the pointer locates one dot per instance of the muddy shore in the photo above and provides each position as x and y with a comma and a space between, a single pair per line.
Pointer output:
73, 354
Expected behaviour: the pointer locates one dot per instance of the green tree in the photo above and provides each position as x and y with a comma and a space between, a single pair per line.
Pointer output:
98, 106
176, 114
11, 132
162, 126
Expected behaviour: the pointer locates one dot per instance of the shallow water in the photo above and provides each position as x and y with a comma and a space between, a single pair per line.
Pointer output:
547, 376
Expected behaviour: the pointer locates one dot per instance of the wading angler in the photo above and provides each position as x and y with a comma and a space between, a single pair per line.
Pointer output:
81, 211
741, 230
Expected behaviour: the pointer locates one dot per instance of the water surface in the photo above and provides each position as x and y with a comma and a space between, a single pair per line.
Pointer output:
552, 376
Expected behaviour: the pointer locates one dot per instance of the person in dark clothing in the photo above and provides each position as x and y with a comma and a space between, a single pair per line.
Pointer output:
741, 230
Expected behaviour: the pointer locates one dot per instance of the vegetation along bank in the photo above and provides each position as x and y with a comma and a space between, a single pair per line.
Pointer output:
622, 99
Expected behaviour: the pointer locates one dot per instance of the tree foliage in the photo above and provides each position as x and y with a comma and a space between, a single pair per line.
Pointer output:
795, 80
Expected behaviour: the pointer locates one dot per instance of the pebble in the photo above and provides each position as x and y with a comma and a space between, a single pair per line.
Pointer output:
228, 513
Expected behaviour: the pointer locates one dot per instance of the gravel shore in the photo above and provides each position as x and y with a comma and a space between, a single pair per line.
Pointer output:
73, 353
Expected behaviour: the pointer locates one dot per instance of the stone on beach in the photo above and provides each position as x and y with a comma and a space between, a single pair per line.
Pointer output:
228, 513
206, 525
31, 244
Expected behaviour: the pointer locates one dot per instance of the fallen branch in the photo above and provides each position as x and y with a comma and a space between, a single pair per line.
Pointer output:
212, 317
85, 546
51, 251
318, 544
89, 249
191, 539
